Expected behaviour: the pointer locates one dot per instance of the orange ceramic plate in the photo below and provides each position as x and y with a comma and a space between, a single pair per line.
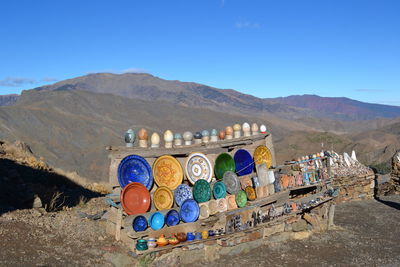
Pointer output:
163, 198
135, 198
167, 171
263, 155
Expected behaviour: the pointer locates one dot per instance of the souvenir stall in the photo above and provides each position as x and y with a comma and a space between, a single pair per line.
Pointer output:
206, 186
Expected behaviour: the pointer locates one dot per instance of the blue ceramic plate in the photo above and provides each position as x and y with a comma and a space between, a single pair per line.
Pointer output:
190, 210
219, 190
244, 163
156, 221
181, 193
172, 218
140, 223
134, 168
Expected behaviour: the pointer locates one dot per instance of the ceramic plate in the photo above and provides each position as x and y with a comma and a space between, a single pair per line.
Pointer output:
201, 191
181, 193
163, 198
172, 218
231, 182
139, 223
251, 193
222, 205
135, 198
244, 163
197, 166
241, 199
263, 155
219, 190
223, 163
167, 171
134, 168
190, 210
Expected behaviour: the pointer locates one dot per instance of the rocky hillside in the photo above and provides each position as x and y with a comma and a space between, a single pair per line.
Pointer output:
8, 100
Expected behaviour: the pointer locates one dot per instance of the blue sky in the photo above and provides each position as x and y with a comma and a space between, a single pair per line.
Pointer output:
266, 48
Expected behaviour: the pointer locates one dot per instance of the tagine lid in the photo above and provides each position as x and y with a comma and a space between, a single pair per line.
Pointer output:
135, 198
163, 198
261, 155
202, 191
135, 168
167, 171
198, 166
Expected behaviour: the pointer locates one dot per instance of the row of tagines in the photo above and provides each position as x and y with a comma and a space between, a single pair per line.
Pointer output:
136, 177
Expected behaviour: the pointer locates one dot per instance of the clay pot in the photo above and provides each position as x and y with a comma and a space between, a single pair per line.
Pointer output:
162, 241
181, 237
222, 135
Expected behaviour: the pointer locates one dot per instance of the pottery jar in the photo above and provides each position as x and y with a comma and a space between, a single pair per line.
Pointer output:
143, 137
130, 138
188, 137
155, 140
236, 130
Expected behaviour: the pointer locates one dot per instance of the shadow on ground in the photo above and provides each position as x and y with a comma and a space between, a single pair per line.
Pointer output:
21, 185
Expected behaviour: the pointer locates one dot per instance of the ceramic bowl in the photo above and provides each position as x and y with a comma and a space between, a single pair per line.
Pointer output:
223, 163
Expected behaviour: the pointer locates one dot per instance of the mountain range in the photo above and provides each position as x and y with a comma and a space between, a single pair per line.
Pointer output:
69, 123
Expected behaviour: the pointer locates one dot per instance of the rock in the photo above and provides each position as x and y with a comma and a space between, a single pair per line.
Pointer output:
37, 202
300, 225
300, 235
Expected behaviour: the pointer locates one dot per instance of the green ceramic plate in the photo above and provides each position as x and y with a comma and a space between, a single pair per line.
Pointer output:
201, 191
241, 199
219, 190
223, 163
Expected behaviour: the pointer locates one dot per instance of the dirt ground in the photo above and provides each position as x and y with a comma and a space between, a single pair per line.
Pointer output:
367, 234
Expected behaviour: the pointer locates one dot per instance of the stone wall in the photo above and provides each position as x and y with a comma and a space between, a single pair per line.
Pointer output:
395, 175
354, 187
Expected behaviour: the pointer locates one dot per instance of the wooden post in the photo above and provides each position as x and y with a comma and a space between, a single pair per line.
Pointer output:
118, 225
331, 216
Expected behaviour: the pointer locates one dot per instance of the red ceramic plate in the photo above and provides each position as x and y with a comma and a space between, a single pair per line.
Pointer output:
135, 198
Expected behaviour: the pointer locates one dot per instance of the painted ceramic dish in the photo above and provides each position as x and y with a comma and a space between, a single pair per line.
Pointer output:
190, 211
197, 166
163, 198
223, 163
134, 168
251, 193
139, 223
219, 190
201, 191
263, 155
213, 206
204, 211
172, 218
181, 193
244, 163
231, 182
156, 221
222, 205
241, 199
135, 198
167, 171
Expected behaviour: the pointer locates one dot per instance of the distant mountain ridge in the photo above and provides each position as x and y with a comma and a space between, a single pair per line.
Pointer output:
8, 100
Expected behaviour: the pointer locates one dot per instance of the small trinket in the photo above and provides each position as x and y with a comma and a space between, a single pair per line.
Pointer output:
214, 137
254, 129
190, 236
221, 135
228, 132
152, 242
178, 139
162, 241
197, 138
263, 129
236, 130
246, 129
205, 136
204, 234
198, 236
187, 136
173, 240
155, 140
143, 137
141, 245
168, 138
130, 138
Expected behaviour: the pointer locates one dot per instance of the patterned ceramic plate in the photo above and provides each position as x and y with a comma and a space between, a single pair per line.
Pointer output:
134, 168
163, 198
241, 199
198, 167
251, 193
219, 190
190, 210
181, 193
201, 191
222, 205
263, 155
167, 171
231, 182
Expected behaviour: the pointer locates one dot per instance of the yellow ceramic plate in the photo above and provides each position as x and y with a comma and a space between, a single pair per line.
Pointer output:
163, 198
263, 155
167, 171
